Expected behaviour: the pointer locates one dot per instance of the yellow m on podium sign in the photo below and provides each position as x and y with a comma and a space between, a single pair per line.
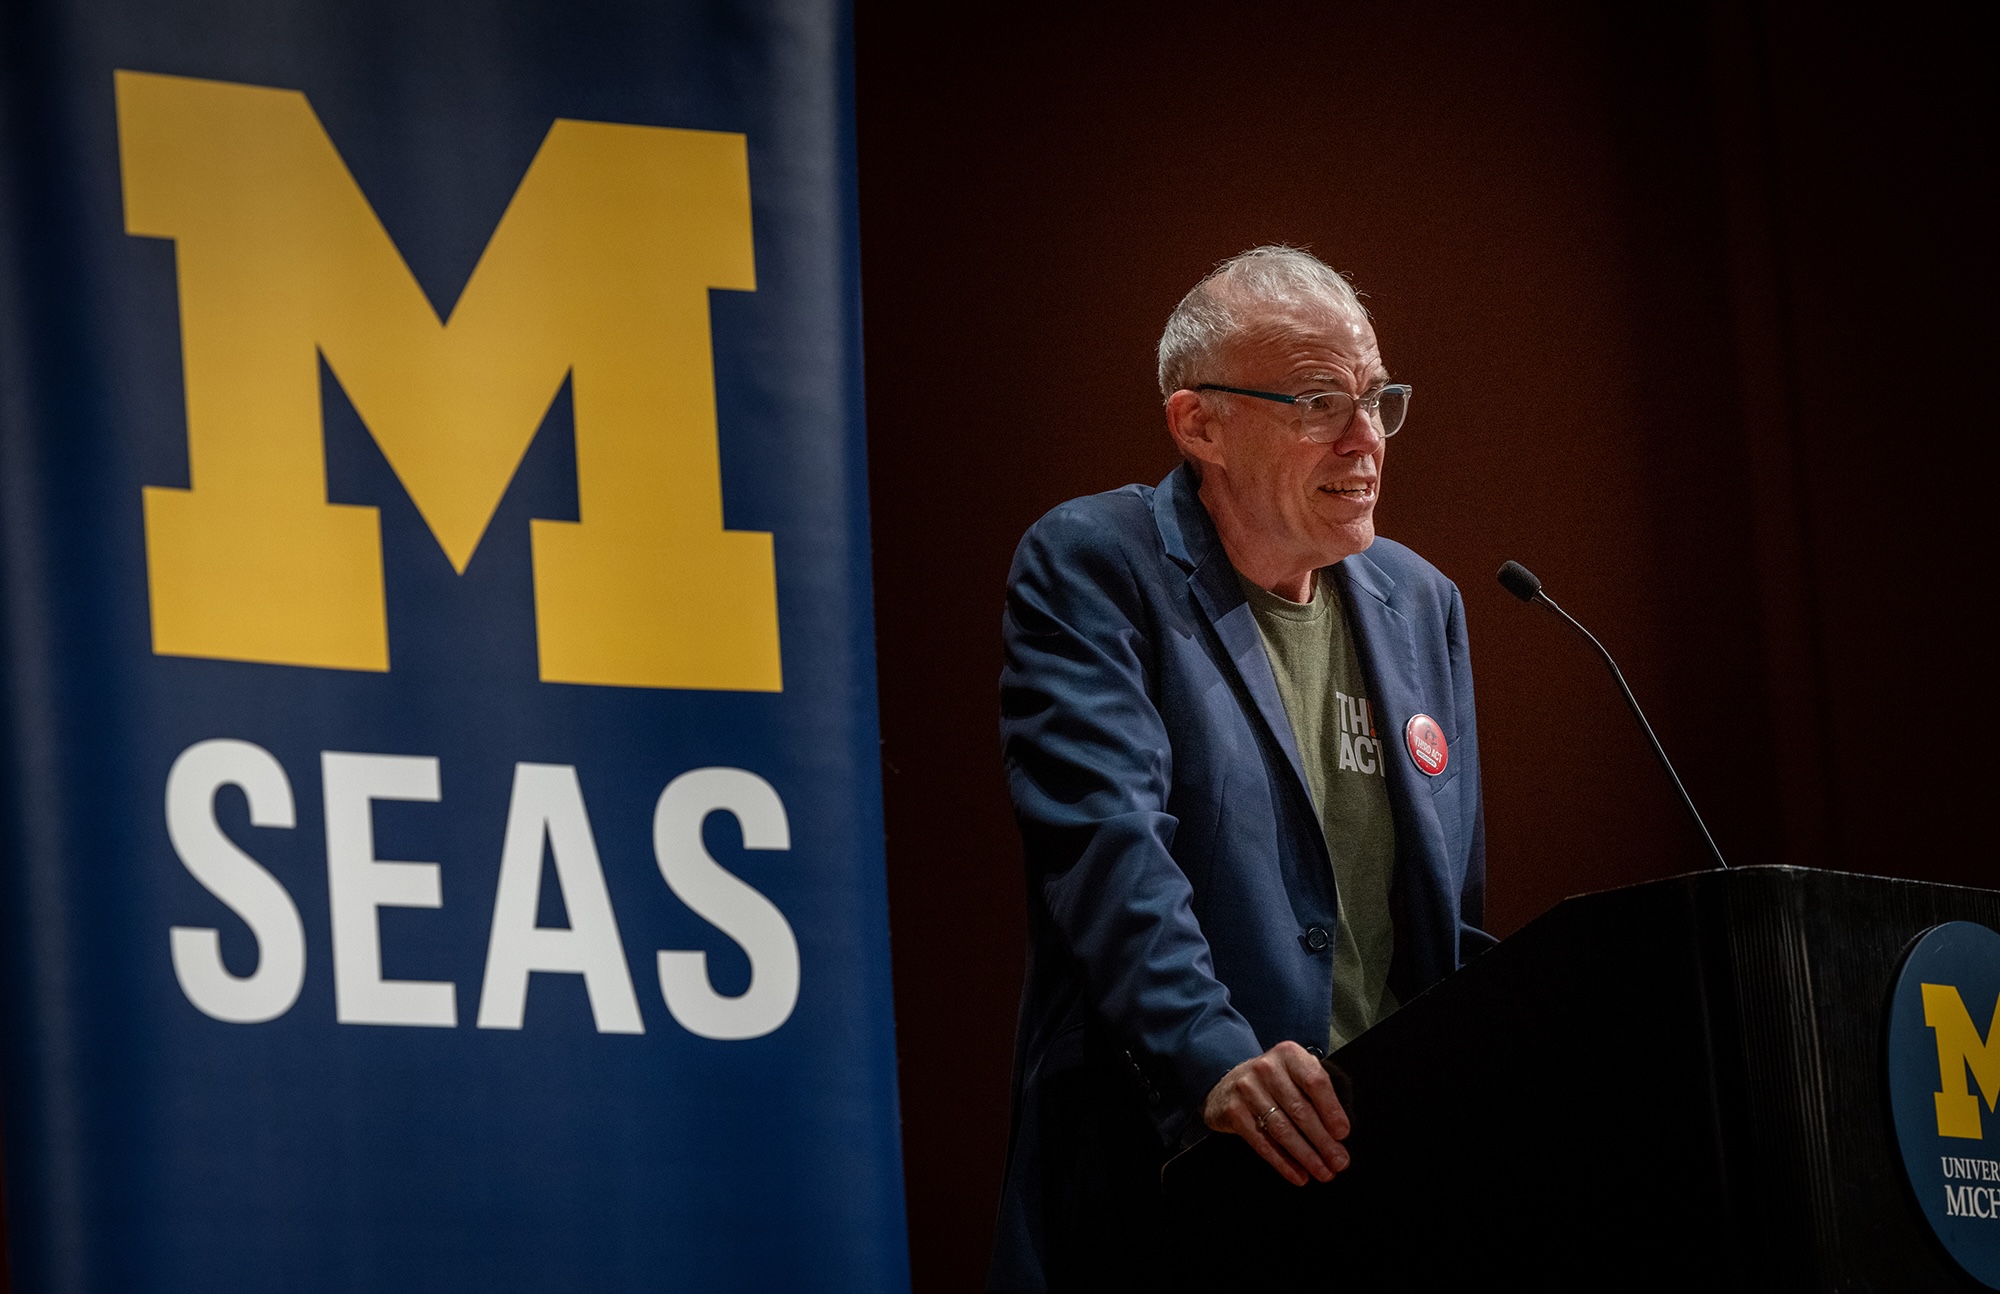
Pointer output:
598, 271
1959, 1048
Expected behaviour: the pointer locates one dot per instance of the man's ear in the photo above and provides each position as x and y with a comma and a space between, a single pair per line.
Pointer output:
1195, 428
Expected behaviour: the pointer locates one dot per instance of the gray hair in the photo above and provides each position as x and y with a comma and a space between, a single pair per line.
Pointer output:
1227, 301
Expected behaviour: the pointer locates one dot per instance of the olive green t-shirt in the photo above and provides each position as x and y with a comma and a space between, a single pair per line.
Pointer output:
1319, 678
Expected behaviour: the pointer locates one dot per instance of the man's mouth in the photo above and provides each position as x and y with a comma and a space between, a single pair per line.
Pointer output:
1350, 489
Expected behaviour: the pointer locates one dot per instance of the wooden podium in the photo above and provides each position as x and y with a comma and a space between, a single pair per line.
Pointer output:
1679, 1085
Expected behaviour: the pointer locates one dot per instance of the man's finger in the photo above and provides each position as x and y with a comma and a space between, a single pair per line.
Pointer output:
1270, 1152
1295, 1126
1311, 1077
1300, 1085
1270, 1126
1294, 1143
1306, 1119
1250, 1109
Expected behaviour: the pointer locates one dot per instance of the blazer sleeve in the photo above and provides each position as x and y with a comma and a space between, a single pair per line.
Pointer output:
1090, 768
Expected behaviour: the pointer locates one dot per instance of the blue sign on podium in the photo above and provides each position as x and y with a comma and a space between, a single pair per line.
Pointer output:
1944, 1081
442, 820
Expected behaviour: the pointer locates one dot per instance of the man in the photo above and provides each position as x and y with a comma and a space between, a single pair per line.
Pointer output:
1239, 735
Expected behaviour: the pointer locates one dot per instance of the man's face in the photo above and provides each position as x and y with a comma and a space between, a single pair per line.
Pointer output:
1309, 504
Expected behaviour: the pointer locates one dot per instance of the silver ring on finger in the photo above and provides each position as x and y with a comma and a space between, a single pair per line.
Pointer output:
1265, 1115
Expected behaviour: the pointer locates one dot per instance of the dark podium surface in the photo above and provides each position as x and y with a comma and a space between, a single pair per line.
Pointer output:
1679, 1085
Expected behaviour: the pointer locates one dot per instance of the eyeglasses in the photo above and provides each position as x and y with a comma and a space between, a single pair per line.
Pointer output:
1325, 415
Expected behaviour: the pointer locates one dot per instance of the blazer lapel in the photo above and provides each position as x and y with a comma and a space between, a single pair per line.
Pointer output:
1191, 540
1387, 648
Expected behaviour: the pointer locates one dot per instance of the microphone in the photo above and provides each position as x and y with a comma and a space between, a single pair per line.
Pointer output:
1521, 582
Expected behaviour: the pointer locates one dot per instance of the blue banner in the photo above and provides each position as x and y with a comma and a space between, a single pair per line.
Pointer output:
441, 801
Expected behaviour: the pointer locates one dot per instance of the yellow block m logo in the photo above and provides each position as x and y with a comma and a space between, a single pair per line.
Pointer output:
599, 271
1959, 1048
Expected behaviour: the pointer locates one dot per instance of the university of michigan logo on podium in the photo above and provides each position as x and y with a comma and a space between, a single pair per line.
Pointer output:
1944, 1086
599, 273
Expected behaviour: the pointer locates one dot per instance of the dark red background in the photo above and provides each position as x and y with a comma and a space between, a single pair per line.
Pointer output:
1697, 301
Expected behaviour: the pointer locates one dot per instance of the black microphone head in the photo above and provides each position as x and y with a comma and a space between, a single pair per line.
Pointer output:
1520, 581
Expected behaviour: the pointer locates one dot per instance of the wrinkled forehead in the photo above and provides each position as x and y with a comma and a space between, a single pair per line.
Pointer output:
1268, 329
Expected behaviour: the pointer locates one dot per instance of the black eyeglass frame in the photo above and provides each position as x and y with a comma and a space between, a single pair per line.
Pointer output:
1312, 401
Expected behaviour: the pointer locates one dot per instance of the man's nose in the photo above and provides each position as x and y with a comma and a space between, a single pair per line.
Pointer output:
1363, 434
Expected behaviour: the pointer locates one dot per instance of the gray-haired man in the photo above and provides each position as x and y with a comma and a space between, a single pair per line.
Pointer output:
1244, 762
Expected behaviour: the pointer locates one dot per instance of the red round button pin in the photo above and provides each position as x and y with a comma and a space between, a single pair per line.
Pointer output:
1426, 742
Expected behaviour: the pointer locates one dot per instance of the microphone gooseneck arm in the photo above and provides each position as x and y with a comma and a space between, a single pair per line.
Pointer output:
1529, 589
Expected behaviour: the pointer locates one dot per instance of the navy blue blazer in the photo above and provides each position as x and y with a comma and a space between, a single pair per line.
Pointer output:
1180, 897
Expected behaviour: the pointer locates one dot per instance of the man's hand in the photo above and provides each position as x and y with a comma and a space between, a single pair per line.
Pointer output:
1282, 1103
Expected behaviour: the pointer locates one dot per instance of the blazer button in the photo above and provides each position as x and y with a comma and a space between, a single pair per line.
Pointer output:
1315, 939
1315, 1052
